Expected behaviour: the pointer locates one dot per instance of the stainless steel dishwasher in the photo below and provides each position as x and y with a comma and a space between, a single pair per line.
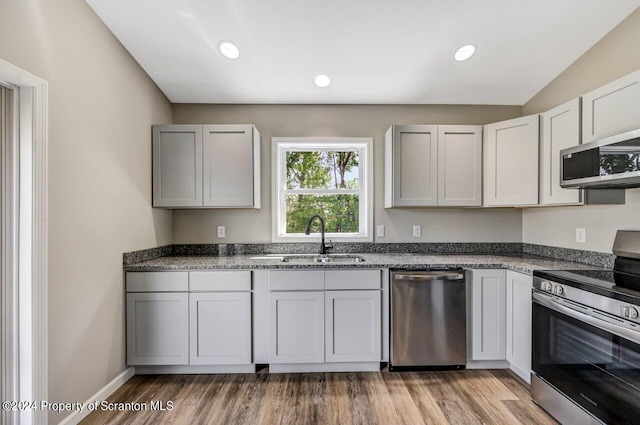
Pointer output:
428, 320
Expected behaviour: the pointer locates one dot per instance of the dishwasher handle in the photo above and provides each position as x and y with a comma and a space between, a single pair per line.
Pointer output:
435, 275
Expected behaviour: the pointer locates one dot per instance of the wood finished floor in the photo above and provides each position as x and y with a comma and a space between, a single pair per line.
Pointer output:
367, 398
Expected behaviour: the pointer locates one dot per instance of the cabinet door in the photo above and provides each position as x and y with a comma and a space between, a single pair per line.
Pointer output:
157, 328
353, 326
296, 327
220, 328
611, 109
519, 323
413, 150
177, 166
560, 130
229, 152
488, 317
511, 162
459, 165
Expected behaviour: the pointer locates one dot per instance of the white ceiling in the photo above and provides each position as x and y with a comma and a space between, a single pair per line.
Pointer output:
375, 51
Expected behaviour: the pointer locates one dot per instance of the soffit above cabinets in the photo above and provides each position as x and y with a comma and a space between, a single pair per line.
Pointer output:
374, 51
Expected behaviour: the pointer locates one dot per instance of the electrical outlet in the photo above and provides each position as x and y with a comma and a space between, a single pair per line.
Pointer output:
417, 230
380, 231
581, 235
222, 232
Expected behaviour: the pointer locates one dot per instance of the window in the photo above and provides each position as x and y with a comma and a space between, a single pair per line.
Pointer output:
328, 177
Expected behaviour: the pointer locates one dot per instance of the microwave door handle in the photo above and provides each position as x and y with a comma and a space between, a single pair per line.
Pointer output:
622, 332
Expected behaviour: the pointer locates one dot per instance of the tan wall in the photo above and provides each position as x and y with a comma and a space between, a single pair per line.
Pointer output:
101, 106
438, 225
617, 54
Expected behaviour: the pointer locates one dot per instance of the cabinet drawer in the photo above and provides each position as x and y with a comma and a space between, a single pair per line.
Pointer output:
296, 280
157, 281
352, 279
237, 280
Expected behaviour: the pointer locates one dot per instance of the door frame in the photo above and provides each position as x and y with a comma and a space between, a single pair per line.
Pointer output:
28, 259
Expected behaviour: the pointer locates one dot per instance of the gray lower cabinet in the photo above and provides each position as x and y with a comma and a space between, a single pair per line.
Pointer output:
501, 319
488, 315
332, 316
220, 328
353, 326
296, 327
518, 341
158, 328
189, 318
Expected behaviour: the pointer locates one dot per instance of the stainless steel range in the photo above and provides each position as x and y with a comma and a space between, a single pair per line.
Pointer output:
586, 340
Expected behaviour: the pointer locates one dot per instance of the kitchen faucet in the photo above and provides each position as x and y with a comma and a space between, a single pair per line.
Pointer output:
323, 247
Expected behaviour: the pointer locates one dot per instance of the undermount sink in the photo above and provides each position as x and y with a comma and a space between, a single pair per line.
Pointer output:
312, 258
318, 258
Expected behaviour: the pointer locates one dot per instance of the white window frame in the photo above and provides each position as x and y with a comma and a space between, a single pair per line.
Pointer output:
364, 146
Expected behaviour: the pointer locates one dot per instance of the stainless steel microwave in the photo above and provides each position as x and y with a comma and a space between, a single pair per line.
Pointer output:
613, 162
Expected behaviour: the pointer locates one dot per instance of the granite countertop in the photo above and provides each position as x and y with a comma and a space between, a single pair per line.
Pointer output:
525, 263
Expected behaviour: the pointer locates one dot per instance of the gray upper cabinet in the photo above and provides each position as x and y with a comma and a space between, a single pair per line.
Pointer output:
177, 166
560, 130
511, 162
460, 165
210, 166
411, 166
231, 166
611, 109
429, 165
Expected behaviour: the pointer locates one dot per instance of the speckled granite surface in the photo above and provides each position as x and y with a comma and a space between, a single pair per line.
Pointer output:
520, 262
599, 259
146, 254
312, 248
203, 256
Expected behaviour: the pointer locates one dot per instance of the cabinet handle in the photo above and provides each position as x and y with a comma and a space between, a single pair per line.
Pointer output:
435, 276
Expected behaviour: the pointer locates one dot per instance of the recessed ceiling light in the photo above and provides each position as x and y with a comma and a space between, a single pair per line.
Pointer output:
465, 52
229, 50
322, 80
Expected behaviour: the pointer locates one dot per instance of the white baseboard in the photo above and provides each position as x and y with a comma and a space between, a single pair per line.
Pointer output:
324, 367
194, 369
526, 377
488, 364
102, 394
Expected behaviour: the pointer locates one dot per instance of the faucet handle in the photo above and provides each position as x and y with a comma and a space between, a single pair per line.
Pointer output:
329, 246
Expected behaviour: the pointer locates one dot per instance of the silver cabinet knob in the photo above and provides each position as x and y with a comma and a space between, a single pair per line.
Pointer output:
628, 312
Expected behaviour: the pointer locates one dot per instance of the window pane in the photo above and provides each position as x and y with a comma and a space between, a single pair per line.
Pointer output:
340, 213
322, 170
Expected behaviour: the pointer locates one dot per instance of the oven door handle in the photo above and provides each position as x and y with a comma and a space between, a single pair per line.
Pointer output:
547, 301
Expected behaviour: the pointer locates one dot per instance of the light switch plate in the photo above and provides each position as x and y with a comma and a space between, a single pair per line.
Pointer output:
222, 232
417, 230
380, 231
581, 235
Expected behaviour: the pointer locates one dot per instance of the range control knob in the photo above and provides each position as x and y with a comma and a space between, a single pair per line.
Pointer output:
545, 285
557, 289
628, 312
